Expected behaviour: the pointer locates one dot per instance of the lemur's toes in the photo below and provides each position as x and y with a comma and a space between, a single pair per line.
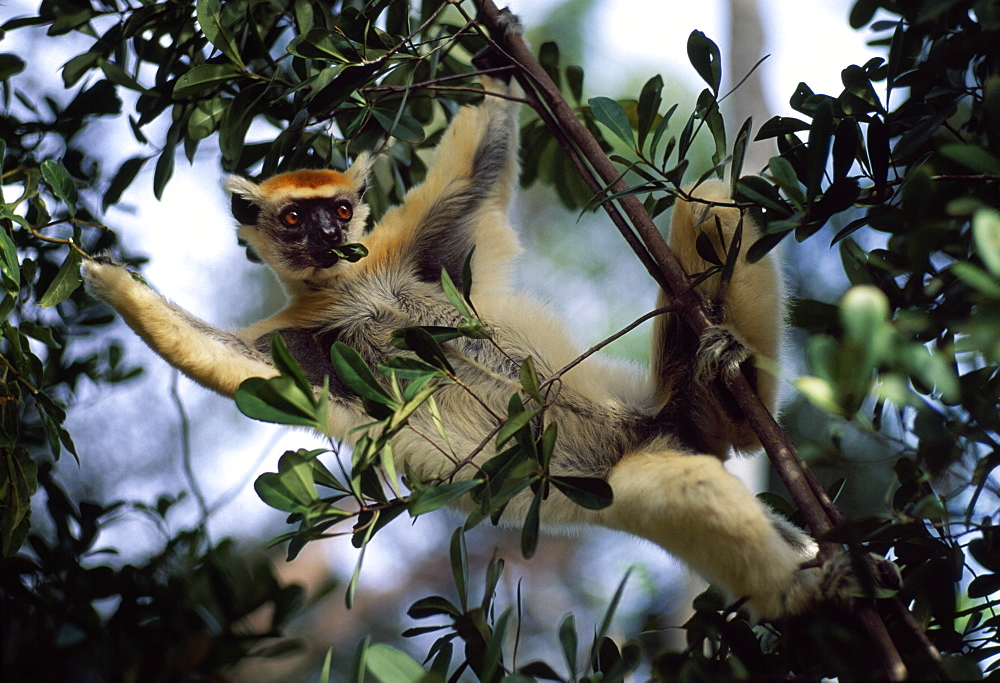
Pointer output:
489, 57
859, 576
721, 355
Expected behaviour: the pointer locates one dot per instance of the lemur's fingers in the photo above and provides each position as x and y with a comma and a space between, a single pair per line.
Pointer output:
109, 280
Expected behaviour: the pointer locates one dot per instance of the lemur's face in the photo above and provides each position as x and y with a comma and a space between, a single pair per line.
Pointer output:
296, 222
307, 230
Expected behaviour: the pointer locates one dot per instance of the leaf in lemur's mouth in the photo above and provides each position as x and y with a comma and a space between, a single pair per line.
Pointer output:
355, 251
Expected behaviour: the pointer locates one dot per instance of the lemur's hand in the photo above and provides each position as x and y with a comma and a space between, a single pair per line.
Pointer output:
109, 280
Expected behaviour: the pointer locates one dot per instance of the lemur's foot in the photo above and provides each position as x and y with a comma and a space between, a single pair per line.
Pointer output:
859, 576
721, 355
839, 579
490, 58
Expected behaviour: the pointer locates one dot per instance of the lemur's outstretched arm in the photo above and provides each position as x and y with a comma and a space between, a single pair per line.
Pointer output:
215, 359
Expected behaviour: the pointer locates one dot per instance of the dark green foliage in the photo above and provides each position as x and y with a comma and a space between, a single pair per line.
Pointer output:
178, 616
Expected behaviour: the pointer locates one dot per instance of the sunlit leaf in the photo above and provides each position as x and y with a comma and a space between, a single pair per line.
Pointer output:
60, 183
64, 283
611, 114
438, 496
355, 373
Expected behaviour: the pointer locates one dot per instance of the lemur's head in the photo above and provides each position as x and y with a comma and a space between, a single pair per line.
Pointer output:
297, 222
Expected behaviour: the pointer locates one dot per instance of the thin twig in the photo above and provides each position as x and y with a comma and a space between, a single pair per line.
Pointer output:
186, 451
600, 345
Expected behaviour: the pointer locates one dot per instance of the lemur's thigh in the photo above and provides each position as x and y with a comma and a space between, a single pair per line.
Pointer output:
693, 508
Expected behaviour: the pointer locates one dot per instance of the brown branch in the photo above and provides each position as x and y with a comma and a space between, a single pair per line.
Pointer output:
663, 264
599, 173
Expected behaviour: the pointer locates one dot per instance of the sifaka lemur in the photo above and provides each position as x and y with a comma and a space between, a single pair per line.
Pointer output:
659, 438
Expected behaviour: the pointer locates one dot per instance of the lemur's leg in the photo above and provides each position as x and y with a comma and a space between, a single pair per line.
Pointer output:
752, 314
215, 359
690, 506
463, 200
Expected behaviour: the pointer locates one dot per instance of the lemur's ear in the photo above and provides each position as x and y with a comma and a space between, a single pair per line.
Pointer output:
243, 207
361, 170
245, 211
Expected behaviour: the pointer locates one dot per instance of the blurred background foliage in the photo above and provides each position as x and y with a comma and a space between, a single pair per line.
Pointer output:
893, 181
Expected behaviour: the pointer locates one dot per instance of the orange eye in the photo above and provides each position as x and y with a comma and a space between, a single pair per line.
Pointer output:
291, 218
344, 212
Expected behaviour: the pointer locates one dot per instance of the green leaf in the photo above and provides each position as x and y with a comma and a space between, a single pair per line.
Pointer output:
359, 663
532, 522
613, 116
440, 334
287, 365
529, 380
588, 492
864, 310
437, 497
273, 492
820, 140
494, 648
324, 673
74, 69
117, 75
451, 291
986, 235
315, 43
389, 665
10, 65
704, 57
569, 642
973, 157
783, 173
123, 178
209, 15
574, 80
977, 279
649, 106
164, 169
514, 424
351, 252
609, 614
399, 125
355, 373
460, 566
409, 368
207, 116
739, 153
985, 585
279, 400
19, 482
60, 183
202, 78
422, 343
64, 283
9, 264
433, 606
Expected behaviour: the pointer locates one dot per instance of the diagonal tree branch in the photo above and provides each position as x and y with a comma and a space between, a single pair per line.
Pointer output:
600, 175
